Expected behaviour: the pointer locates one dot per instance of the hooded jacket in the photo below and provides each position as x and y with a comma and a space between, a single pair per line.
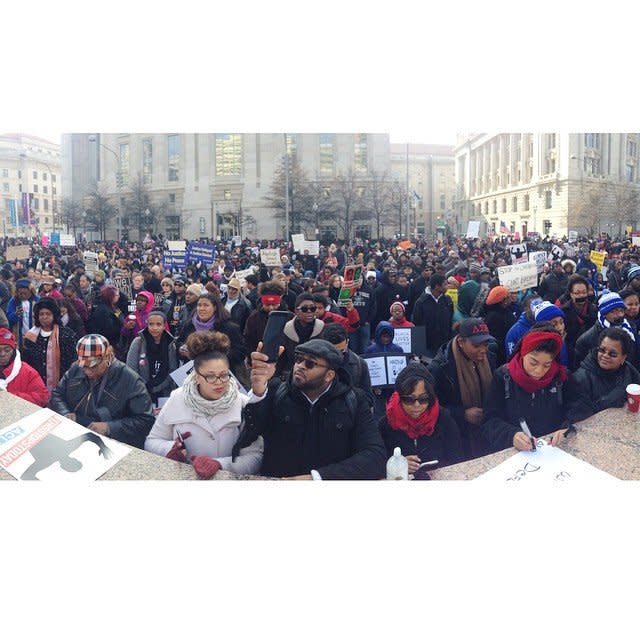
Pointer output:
522, 325
291, 340
377, 346
329, 437
138, 361
591, 389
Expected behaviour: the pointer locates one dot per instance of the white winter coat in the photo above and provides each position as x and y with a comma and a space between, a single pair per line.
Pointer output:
213, 437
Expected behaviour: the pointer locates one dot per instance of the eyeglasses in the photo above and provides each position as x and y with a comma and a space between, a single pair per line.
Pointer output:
308, 364
422, 399
212, 379
611, 354
307, 309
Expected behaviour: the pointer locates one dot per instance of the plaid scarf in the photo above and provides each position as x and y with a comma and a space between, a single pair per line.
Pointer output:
52, 362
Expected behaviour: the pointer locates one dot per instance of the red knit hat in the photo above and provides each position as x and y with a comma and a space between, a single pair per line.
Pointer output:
7, 338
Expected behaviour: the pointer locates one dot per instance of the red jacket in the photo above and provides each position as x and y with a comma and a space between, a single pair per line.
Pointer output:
350, 323
27, 385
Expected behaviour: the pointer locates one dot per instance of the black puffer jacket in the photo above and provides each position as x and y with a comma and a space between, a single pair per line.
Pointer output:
507, 404
592, 389
124, 403
340, 441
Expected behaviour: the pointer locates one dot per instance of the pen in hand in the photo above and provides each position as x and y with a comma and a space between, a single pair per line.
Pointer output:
525, 428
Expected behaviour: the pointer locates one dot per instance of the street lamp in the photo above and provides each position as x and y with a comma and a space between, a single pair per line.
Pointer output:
93, 138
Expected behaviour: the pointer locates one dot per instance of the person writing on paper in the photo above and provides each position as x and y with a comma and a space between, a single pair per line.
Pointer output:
601, 381
153, 356
207, 411
417, 423
530, 388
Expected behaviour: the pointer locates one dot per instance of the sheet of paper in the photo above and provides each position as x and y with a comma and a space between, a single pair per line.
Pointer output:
395, 364
47, 446
546, 464
402, 337
377, 371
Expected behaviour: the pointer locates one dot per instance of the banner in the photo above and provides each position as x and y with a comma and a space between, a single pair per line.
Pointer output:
201, 252
18, 252
519, 277
175, 259
539, 258
270, 257
13, 213
26, 208
473, 229
597, 257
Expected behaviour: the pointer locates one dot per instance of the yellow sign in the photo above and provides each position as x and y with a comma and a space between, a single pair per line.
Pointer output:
453, 294
629, 230
597, 257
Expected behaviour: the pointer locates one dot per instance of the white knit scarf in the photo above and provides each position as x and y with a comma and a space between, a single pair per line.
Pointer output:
17, 365
208, 408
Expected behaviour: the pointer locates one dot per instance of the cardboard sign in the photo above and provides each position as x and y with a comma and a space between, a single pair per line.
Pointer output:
473, 229
598, 257
47, 446
90, 261
18, 252
242, 275
539, 258
519, 277
384, 369
270, 257
518, 253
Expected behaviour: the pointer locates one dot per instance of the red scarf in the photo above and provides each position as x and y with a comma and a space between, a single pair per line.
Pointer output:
414, 428
529, 384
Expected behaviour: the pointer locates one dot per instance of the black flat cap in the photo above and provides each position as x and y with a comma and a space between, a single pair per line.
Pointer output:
321, 349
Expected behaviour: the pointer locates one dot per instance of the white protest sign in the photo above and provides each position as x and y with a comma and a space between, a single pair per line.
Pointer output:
270, 257
242, 275
90, 262
473, 229
377, 371
557, 251
539, 258
545, 464
236, 240
519, 277
573, 235
635, 241
298, 241
47, 446
518, 253
312, 246
395, 364
402, 337
67, 240
180, 374
177, 245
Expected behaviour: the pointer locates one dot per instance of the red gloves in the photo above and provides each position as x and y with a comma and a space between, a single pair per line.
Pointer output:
205, 466
177, 451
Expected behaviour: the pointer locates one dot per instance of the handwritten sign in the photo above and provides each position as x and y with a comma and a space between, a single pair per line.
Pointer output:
18, 252
539, 258
546, 464
597, 257
67, 240
402, 337
518, 277
384, 369
298, 240
176, 245
473, 229
573, 235
90, 262
242, 275
312, 246
270, 257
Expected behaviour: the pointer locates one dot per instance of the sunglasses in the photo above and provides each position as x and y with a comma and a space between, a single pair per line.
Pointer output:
307, 309
308, 364
611, 354
422, 399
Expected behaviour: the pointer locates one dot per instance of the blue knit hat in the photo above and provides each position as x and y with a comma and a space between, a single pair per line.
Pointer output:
610, 301
546, 311
634, 272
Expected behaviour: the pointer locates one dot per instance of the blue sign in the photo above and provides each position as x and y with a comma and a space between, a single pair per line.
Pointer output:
54, 238
175, 259
201, 252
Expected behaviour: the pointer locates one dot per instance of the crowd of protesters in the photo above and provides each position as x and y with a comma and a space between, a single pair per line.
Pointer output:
72, 337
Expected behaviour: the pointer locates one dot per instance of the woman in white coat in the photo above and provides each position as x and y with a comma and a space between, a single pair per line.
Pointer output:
207, 412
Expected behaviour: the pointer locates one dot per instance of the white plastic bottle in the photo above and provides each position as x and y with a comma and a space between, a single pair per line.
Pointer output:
397, 466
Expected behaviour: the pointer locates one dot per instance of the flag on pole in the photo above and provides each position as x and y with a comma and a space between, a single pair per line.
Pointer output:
13, 213
503, 227
26, 208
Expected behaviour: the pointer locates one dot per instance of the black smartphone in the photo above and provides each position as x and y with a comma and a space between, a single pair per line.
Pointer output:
272, 337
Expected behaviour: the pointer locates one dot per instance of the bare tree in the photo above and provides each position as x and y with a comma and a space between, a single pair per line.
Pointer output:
625, 201
71, 214
589, 206
348, 196
141, 212
379, 200
100, 211
398, 204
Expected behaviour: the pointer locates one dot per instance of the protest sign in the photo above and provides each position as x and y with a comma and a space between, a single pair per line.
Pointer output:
176, 245
18, 252
270, 257
158, 299
377, 370
352, 280
546, 464
46, 446
539, 258
298, 241
90, 262
402, 337
175, 259
635, 241
557, 252
54, 238
312, 246
67, 240
573, 235
597, 257
122, 284
411, 339
242, 275
201, 252
473, 229
518, 277
384, 369
518, 253
236, 240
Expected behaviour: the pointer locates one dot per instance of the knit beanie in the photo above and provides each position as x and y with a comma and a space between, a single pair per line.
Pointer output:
393, 304
371, 274
545, 311
497, 294
609, 302
634, 272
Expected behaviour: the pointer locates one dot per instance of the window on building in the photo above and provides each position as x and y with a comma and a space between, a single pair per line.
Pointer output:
526, 202
36, 204
53, 177
630, 173
147, 161
292, 145
592, 166
35, 188
35, 175
44, 176
360, 153
172, 198
551, 140
53, 191
228, 154
45, 189
124, 163
631, 148
173, 157
495, 206
504, 205
54, 206
20, 188
548, 199
227, 194
443, 201
546, 225
514, 203
326, 154
5, 187
5, 173
45, 203
46, 220
550, 165
19, 174
486, 208
592, 140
